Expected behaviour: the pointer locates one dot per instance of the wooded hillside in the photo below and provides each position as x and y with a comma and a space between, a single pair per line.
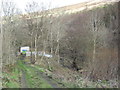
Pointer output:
84, 41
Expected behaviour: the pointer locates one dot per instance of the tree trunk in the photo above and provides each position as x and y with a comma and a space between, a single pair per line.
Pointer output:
1, 48
9, 52
35, 48
31, 59
94, 25
94, 49
51, 50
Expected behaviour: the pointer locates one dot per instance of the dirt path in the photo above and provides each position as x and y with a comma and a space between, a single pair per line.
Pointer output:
50, 81
23, 80
39, 74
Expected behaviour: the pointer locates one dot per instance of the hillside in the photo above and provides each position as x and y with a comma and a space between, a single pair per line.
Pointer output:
81, 40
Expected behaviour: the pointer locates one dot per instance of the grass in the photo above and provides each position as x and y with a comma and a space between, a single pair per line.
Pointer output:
11, 79
39, 68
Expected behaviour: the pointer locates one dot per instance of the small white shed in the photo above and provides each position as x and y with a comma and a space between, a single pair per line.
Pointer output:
25, 48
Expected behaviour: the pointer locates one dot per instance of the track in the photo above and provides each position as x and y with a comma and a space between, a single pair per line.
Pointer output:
39, 74
23, 80
53, 83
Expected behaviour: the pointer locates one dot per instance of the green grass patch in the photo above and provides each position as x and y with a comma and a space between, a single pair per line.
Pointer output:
11, 79
12, 84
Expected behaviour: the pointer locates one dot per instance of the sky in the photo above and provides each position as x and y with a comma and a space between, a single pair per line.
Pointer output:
53, 3
21, 4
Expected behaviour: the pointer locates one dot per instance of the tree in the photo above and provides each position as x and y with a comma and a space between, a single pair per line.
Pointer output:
1, 44
36, 25
9, 10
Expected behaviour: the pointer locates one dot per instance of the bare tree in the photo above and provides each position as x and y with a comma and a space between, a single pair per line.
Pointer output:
36, 24
1, 45
30, 9
9, 10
